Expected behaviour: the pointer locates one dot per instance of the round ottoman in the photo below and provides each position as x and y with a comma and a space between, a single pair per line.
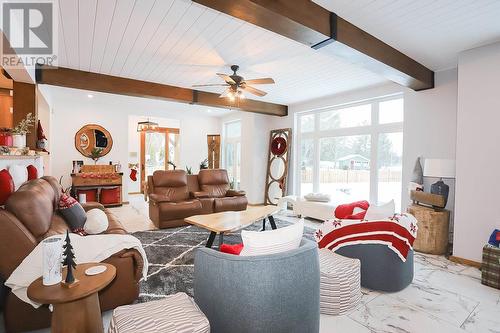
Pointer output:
340, 283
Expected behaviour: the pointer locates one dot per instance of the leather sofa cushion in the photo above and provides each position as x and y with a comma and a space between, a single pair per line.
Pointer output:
33, 205
214, 181
173, 178
230, 203
179, 210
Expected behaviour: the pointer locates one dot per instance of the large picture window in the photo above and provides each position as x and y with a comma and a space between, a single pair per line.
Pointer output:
352, 152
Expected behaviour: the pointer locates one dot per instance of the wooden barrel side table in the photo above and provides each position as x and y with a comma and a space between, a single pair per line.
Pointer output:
76, 309
433, 229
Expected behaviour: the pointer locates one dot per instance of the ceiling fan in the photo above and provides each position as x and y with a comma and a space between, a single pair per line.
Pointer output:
236, 84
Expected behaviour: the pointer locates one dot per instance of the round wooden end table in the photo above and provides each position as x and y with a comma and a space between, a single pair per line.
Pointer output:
76, 309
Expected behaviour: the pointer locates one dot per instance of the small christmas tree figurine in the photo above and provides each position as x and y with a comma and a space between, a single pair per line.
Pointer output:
69, 262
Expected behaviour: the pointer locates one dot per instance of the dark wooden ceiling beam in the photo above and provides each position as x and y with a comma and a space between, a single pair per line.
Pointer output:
71, 78
308, 23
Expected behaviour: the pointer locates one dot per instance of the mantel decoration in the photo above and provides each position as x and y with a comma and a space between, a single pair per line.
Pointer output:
21, 129
93, 141
69, 262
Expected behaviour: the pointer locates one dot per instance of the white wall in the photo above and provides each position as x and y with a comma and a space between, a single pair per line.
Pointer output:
254, 149
72, 110
478, 158
429, 124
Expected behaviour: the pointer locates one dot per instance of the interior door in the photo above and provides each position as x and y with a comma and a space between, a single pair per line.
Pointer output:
158, 147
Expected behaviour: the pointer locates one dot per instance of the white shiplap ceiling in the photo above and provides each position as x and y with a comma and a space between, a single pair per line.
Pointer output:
433, 32
182, 43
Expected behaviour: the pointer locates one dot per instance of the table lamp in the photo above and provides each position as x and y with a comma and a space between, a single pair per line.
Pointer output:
439, 168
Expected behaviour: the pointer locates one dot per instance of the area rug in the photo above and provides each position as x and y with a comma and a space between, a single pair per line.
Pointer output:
171, 256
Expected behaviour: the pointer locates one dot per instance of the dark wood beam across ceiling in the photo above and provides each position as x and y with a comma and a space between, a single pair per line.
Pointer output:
71, 78
308, 23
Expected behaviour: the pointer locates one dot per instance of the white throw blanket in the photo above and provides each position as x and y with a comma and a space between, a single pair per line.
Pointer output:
92, 248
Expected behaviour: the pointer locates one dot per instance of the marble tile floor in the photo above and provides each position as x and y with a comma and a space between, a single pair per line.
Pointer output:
444, 296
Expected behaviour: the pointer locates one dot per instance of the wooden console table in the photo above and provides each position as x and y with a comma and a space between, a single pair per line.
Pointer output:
85, 181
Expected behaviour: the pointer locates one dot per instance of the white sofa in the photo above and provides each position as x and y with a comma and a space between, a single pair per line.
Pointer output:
313, 209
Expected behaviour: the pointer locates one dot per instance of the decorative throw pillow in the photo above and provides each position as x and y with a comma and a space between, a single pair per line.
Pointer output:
97, 222
231, 248
346, 211
382, 212
318, 197
272, 241
6, 186
72, 212
32, 172
19, 175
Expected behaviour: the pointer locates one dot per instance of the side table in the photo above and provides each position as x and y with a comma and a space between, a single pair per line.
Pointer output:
433, 229
76, 309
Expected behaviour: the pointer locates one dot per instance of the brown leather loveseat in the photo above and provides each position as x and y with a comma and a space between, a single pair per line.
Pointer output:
174, 195
29, 217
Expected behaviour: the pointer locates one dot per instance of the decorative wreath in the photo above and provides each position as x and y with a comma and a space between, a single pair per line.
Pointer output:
278, 146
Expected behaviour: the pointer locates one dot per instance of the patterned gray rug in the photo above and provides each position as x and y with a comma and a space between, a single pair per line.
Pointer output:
171, 256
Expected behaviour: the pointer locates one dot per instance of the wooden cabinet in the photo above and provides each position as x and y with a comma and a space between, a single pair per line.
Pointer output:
433, 229
98, 181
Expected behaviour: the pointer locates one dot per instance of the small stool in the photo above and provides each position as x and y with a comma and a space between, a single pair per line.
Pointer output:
176, 313
340, 283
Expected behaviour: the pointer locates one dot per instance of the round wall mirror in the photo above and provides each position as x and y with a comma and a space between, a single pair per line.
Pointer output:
93, 138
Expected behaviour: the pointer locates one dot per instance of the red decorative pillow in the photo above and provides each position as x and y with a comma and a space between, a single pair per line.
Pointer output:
345, 211
498, 236
6, 186
91, 194
110, 196
72, 212
231, 248
32, 172
357, 216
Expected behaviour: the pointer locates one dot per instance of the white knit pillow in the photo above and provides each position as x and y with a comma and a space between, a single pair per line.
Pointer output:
272, 241
97, 222
19, 175
382, 212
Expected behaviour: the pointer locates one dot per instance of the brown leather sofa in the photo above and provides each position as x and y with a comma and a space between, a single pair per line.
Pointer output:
174, 195
29, 217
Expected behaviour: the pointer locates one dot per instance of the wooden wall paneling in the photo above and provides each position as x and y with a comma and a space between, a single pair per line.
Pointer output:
24, 102
6, 107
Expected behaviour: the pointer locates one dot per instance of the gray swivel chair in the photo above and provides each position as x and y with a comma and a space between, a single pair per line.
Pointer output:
276, 293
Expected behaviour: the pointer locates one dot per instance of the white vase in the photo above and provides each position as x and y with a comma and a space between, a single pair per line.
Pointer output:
19, 140
52, 261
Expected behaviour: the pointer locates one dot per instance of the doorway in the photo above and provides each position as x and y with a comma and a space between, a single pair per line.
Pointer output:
160, 150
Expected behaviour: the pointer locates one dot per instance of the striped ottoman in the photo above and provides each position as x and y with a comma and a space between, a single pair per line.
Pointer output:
340, 284
176, 313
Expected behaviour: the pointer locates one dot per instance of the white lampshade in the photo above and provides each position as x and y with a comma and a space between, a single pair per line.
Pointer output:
439, 168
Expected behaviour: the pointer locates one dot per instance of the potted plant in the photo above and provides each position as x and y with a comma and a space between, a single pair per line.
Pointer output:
20, 130
96, 154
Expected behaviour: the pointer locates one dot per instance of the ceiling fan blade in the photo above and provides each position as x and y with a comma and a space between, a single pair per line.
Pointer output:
226, 78
254, 91
210, 85
266, 80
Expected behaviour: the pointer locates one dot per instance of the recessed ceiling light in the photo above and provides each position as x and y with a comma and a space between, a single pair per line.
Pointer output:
90, 96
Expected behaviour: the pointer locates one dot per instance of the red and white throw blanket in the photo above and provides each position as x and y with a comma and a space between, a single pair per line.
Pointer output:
397, 232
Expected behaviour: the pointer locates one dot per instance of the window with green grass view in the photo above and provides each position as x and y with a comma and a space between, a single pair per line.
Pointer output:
352, 152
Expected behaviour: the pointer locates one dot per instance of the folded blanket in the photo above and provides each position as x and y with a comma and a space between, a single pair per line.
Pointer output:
398, 233
95, 248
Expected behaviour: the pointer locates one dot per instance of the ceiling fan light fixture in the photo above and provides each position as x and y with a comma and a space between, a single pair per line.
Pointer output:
146, 126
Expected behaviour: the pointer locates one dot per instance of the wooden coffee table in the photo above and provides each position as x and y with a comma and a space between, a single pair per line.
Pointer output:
224, 222
76, 309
